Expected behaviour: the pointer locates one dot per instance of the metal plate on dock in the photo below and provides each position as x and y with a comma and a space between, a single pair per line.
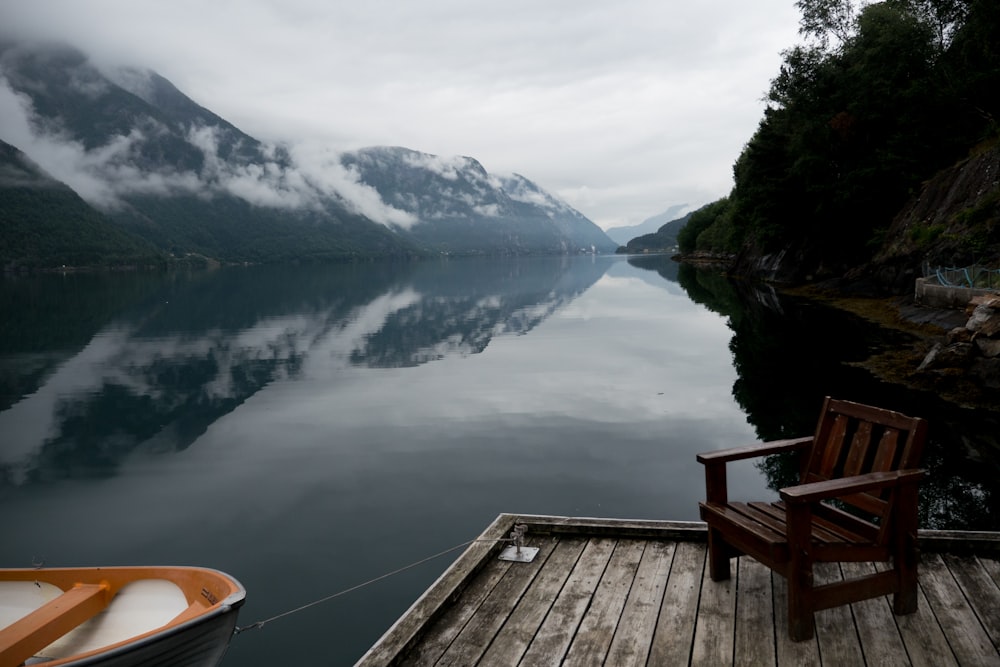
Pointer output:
526, 555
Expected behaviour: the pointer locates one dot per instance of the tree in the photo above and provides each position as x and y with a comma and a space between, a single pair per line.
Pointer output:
971, 68
849, 133
823, 19
941, 16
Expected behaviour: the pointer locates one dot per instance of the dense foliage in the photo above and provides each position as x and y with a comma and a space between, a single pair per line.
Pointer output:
715, 220
879, 98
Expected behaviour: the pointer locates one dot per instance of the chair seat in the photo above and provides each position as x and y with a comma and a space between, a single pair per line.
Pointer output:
759, 529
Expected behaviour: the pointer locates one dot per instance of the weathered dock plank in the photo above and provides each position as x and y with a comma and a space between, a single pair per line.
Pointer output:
457, 616
558, 629
642, 596
835, 646
474, 638
597, 629
925, 641
520, 629
630, 646
716, 622
789, 652
672, 639
980, 590
966, 636
881, 642
754, 641
992, 567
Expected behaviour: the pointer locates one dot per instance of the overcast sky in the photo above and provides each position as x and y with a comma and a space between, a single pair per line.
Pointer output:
622, 109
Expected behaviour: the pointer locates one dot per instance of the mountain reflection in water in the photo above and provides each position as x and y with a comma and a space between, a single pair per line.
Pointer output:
100, 365
187, 350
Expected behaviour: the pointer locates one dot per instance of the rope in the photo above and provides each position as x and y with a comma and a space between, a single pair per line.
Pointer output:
260, 624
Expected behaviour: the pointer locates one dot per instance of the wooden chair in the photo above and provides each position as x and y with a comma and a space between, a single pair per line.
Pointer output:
865, 458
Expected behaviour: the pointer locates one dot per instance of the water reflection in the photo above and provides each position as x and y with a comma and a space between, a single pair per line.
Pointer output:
94, 367
789, 353
310, 428
353, 420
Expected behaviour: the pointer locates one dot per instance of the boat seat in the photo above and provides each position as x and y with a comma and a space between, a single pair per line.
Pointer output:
139, 607
28, 635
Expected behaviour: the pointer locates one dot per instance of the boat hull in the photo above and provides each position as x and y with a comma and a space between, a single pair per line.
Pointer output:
117, 617
203, 643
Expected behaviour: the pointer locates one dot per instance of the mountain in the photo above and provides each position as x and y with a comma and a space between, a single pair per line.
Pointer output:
663, 239
463, 209
45, 223
164, 168
622, 235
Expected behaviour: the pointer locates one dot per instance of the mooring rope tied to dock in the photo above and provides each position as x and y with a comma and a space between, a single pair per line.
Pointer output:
516, 537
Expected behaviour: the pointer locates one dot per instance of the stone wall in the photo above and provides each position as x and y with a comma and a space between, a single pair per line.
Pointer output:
929, 293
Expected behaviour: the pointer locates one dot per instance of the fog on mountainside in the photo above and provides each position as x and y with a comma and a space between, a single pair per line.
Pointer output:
161, 167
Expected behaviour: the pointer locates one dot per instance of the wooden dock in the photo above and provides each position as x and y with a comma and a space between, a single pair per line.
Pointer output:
618, 593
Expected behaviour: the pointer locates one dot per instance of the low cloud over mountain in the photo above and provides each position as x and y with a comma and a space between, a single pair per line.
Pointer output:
163, 167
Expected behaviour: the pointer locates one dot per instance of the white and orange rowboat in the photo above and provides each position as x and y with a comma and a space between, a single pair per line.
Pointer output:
117, 616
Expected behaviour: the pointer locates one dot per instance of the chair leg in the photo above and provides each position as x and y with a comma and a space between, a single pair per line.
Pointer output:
800, 603
907, 552
904, 601
718, 556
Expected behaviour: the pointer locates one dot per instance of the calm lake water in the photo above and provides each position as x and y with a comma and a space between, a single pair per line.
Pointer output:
309, 428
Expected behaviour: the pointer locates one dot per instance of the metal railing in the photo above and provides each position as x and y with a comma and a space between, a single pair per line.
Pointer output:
973, 277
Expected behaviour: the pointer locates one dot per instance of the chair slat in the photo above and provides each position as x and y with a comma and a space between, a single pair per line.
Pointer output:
886, 451
872, 414
829, 527
769, 516
868, 503
739, 519
775, 513
832, 448
771, 531
859, 449
848, 521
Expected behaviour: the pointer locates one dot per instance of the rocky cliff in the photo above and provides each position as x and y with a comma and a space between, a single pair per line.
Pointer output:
954, 220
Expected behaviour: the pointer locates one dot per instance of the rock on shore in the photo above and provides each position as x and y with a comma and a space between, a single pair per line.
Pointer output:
973, 349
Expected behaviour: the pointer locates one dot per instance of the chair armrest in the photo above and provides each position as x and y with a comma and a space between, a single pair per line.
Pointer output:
753, 451
843, 486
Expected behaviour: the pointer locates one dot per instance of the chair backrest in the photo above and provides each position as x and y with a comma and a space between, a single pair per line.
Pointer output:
854, 439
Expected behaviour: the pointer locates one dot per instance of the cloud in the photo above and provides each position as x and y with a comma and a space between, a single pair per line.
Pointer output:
267, 183
100, 175
447, 167
323, 170
104, 175
622, 109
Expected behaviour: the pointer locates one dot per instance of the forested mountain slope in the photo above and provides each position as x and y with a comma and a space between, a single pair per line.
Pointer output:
663, 239
43, 223
881, 98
